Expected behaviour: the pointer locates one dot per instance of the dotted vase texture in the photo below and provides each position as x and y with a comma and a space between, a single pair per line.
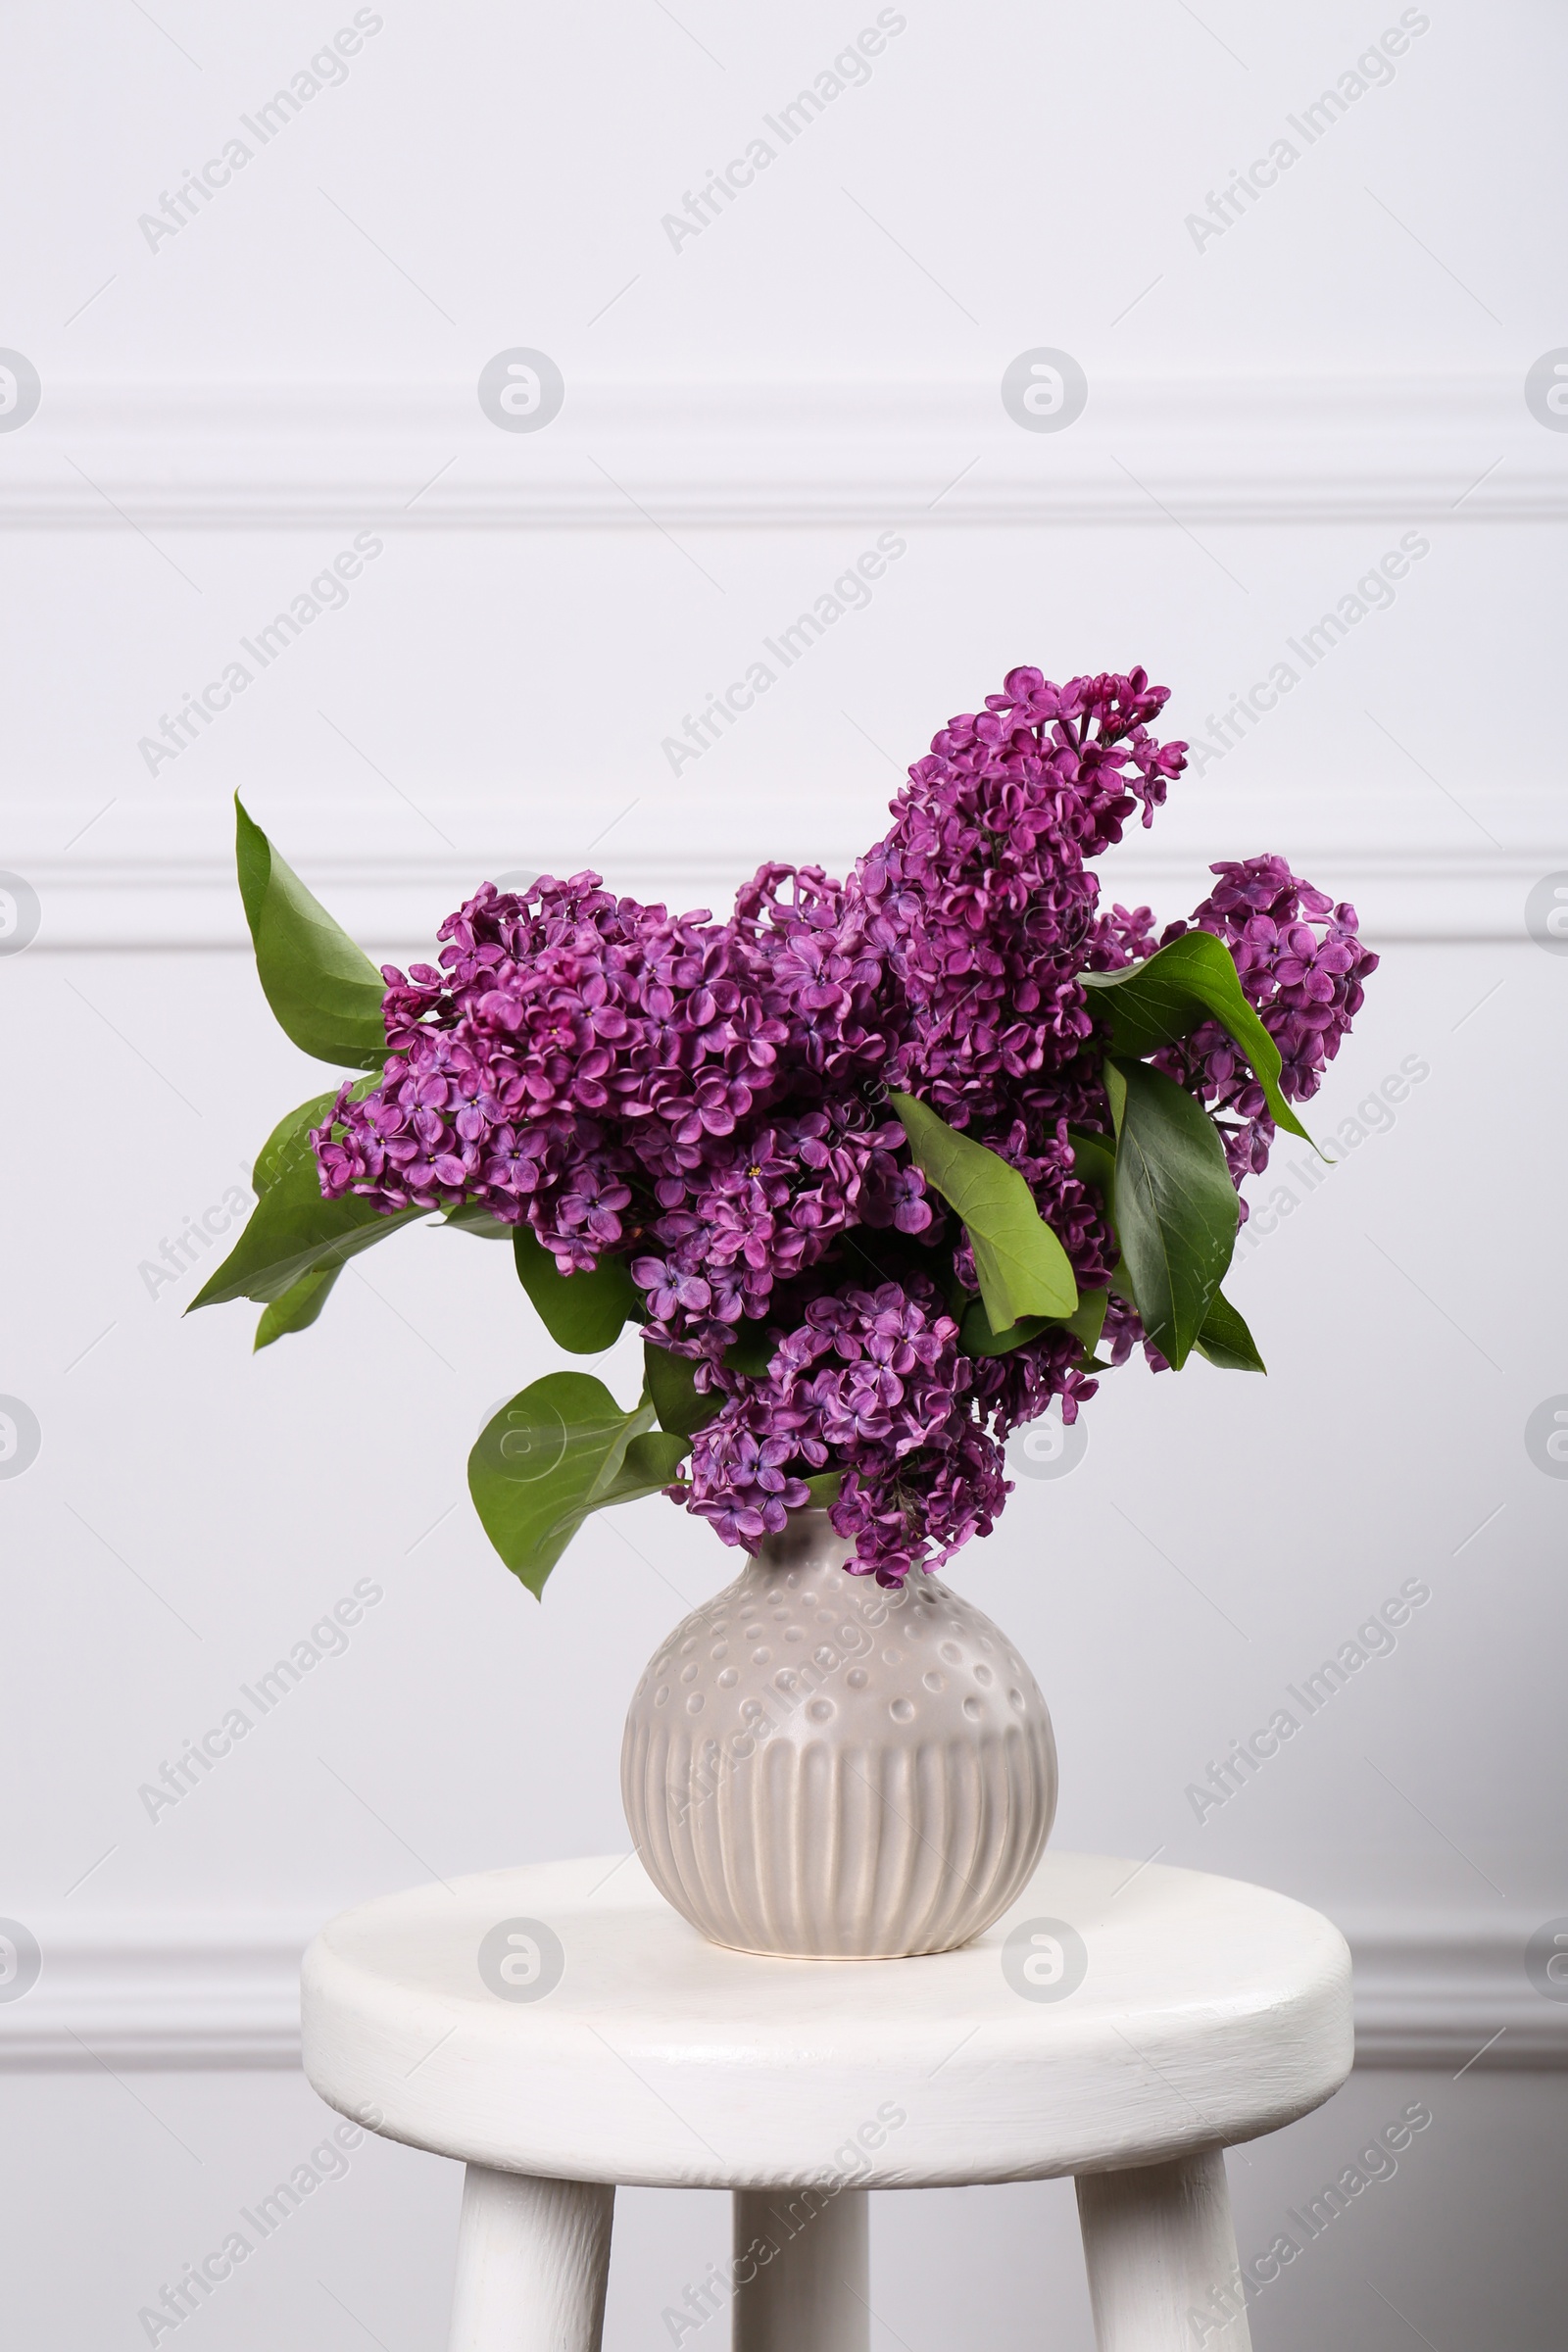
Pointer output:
818, 1767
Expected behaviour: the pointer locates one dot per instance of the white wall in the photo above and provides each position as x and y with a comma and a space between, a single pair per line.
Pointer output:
1266, 418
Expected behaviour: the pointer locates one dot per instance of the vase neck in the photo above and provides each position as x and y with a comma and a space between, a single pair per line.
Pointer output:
807, 1539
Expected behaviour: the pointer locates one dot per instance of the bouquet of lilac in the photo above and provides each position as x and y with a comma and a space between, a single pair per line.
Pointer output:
879, 1167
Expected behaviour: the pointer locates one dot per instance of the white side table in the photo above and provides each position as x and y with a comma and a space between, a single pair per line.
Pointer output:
560, 2028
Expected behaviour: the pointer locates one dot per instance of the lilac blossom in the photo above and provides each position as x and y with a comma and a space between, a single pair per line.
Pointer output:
707, 1101
1302, 967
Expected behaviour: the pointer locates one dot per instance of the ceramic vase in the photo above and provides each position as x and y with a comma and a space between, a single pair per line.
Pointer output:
818, 1767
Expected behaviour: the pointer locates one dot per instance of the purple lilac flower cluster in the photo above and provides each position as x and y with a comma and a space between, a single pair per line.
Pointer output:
708, 1101
1302, 967
872, 1379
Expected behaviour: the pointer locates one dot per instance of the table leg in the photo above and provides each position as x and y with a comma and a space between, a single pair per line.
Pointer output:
801, 2271
534, 2260
1161, 2257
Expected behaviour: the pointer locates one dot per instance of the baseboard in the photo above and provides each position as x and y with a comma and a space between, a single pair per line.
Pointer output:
1431, 1993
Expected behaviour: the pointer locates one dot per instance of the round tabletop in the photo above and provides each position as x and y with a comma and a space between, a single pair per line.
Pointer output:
562, 2020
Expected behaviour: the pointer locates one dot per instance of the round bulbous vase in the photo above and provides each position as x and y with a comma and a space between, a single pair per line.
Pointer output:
816, 1767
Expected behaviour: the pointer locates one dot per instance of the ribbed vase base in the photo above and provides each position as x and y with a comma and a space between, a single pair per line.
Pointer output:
817, 1769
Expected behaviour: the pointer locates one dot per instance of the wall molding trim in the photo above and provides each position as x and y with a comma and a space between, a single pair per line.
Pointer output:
168, 901
215, 1995
1435, 1992
751, 455
158, 1993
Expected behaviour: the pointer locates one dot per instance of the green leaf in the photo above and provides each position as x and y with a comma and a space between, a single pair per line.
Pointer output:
325, 992
474, 1217
288, 1148
1023, 1268
559, 1450
1089, 1322
823, 1488
1226, 1341
582, 1312
1094, 1160
1175, 1206
673, 1388
298, 1307
976, 1337
651, 1464
750, 1351
1192, 979
292, 1230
